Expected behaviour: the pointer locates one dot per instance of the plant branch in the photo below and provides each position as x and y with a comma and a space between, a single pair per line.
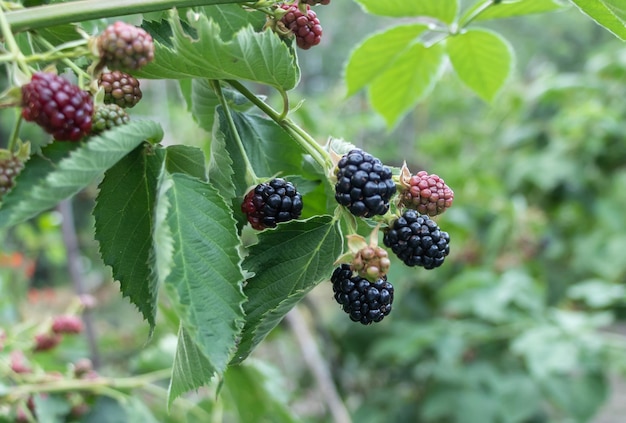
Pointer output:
476, 13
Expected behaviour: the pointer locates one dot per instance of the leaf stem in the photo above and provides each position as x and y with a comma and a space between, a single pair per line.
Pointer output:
251, 177
16, 131
464, 22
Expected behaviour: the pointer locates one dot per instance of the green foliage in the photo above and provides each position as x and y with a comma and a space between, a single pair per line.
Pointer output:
611, 14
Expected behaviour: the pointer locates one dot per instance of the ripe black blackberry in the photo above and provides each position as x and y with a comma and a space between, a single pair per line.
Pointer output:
120, 88
271, 203
59, 107
125, 46
363, 185
305, 26
417, 240
10, 167
108, 116
366, 302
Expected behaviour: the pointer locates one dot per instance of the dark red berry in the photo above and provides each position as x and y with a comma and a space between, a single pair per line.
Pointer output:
46, 341
120, 88
59, 107
125, 46
67, 324
305, 26
271, 203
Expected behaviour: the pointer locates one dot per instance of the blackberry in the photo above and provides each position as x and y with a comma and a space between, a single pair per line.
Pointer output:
271, 203
305, 26
125, 46
108, 116
46, 341
428, 194
59, 107
10, 167
417, 240
67, 324
120, 88
366, 302
363, 185
371, 262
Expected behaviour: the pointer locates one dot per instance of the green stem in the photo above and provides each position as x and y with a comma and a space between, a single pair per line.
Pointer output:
83, 10
251, 177
65, 59
15, 132
476, 13
9, 39
298, 134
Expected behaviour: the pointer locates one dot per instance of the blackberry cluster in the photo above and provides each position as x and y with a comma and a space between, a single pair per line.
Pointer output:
125, 46
417, 240
59, 107
305, 27
120, 88
271, 203
428, 194
363, 185
10, 167
108, 116
364, 301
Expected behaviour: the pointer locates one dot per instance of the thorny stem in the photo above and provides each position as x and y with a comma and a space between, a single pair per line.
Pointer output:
233, 129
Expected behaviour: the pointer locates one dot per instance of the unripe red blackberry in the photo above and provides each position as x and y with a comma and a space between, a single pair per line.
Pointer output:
108, 116
305, 26
363, 185
125, 46
10, 167
46, 341
428, 194
67, 324
417, 240
271, 203
59, 107
366, 302
120, 88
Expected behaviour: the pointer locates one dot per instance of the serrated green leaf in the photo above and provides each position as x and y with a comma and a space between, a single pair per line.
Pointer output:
73, 173
509, 9
413, 75
254, 56
221, 173
124, 224
379, 53
204, 101
482, 59
443, 10
191, 368
611, 14
204, 282
287, 262
186, 159
232, 17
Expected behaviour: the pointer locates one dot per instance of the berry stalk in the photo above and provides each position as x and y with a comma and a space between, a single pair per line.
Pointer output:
9, 39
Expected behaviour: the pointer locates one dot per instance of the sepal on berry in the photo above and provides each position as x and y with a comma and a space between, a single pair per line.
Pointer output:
367, 259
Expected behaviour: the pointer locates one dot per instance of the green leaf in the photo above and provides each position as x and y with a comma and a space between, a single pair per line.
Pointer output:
443, 10
378, 53
482, 59
254, 56
580, 395
204, 282
124, 224
413, 75
221, 173
287, 262
186, 159
74, 172
611, 14
258, 392
191, 368
204, 101
513, 8
232, 17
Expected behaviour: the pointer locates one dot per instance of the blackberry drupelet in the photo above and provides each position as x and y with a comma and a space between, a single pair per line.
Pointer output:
305, 26
417, 240
366, 302
120, 88
125, 46
59, 107
363, 185
271, 203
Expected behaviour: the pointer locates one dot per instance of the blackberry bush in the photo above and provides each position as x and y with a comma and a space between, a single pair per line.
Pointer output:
125, 46
305, 26
366, 302
271, 203
417, 240
59, 107
120, 88
363, 184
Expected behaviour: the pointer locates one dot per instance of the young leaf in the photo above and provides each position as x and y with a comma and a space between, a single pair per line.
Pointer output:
610, 14
443, 10
287, 262
378, 53
509, 9
232, 17
205, 277
74, 172
482, 59
124, 224
254, 56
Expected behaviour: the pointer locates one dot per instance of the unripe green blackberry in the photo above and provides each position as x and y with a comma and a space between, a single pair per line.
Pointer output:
108, 116
125, 46
371, 262
120, 88
10, 167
